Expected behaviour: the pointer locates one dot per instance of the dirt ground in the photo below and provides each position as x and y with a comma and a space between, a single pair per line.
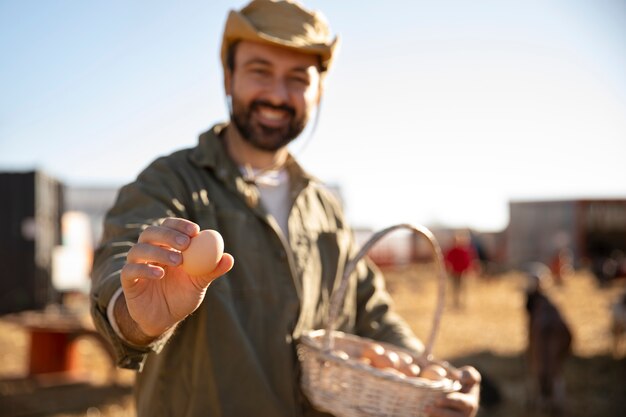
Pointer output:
489, 333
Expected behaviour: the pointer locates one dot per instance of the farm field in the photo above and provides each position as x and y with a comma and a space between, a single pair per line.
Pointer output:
489, 333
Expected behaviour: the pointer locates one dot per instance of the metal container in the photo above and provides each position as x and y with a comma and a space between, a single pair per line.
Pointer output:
30, 228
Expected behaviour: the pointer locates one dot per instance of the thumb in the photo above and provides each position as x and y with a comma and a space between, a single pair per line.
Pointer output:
469, 378
225, 264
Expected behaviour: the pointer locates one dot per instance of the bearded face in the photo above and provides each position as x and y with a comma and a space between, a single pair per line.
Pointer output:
273, 91
266, 126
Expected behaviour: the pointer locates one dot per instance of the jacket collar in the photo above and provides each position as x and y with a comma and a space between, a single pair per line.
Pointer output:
211, 153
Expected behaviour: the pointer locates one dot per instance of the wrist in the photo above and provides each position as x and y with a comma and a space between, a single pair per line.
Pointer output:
130, 330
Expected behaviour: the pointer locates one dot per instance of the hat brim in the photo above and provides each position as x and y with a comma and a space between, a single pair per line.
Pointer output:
238, 28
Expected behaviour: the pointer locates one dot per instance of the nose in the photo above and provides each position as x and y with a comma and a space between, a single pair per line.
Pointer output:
278, 92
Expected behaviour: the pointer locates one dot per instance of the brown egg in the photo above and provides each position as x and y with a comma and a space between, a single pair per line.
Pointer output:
379, 357
373, 354
410, 369
364, 361
405, 358
204, 253
433, 372
407, 366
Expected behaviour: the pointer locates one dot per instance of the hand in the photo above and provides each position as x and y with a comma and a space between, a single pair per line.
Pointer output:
463, 403
158, 293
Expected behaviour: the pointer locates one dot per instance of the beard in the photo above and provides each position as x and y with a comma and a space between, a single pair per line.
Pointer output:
262, 137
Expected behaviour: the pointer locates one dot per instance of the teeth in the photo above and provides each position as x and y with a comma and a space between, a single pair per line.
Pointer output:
272, 114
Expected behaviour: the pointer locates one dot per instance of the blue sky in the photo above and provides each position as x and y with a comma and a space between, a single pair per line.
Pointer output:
436, 112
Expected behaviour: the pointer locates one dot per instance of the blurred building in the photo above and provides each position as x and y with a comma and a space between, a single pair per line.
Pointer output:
587, 229
94, 202
591, 233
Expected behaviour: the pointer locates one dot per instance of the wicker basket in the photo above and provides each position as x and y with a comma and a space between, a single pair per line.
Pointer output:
345, 387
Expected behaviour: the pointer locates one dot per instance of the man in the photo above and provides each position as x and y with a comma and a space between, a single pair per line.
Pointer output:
227, 347
460, 259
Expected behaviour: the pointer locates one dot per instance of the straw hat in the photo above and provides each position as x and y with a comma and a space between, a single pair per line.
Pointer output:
284, 23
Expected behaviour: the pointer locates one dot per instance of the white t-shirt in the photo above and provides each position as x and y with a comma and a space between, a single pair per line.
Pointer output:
273, 186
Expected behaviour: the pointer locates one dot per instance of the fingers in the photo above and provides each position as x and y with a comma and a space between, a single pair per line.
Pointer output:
455, 404
145, 261
158, 246
161, 245
469, 378
463, 403
173, 233
182, 225
132, 272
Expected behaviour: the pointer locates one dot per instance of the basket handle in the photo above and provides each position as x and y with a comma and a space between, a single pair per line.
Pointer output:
339, 294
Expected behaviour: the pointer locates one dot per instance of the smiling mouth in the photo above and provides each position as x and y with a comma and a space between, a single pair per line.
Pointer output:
272, 116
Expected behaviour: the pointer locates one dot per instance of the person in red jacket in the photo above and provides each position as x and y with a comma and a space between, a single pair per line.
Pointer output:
460, 259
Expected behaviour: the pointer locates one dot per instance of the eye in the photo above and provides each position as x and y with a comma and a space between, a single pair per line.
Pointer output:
260, 71
300, 80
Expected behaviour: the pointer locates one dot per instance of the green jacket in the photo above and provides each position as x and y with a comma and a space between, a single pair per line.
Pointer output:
235, 355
